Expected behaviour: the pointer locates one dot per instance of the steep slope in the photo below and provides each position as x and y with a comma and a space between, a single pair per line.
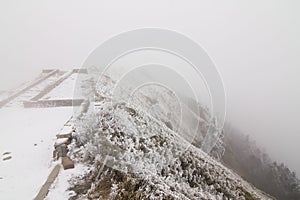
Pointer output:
138, 157
248, 160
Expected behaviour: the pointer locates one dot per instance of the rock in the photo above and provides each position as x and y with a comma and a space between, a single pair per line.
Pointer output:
55, 155
61, 141
65, 135
66, 132
62, 150
67, 163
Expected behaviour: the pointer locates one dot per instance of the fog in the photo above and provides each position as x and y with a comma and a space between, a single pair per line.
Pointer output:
254, 44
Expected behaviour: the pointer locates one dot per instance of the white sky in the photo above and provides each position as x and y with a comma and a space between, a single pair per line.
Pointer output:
255, 44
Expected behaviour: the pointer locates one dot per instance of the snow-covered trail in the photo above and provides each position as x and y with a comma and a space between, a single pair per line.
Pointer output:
27, 135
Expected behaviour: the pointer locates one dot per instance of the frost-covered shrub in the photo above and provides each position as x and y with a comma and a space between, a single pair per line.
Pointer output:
157, 161
135, 143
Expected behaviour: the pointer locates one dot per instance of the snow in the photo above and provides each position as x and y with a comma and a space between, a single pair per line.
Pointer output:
134, 140
140, 145
32, 92
61, 141
63, 91
61, 184
65, 130
29, 134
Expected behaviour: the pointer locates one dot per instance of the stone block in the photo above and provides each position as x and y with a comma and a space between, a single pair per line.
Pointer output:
67, 163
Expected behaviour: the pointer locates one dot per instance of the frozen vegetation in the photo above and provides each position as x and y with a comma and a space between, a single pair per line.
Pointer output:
134, 155
146, 145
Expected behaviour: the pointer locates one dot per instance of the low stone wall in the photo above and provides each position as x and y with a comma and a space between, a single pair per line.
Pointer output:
80, 71
52, 103
13, 96
51, 87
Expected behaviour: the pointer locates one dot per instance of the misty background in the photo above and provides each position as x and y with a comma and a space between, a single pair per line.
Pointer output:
254, 44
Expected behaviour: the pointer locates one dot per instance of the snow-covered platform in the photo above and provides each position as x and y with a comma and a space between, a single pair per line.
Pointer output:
31, 118
29, 135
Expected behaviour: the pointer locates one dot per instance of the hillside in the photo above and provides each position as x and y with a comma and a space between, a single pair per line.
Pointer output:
145, 147
132, 155
255, 165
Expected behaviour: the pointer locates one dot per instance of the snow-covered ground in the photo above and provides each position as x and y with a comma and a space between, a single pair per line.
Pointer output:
27, 135
145, 150
65, 90
27, 139
59, 189
141, 141
32, 92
